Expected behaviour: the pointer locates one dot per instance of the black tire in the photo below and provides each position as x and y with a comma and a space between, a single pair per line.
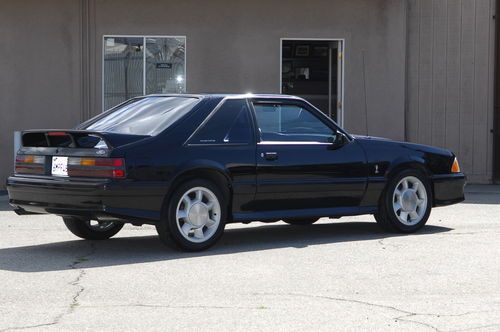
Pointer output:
388, 219
83, 229
301, 221
167, 227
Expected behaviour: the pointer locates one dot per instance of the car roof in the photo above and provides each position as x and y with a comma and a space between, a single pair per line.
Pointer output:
227, 95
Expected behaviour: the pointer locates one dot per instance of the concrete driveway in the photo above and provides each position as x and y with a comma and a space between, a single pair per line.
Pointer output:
334, 275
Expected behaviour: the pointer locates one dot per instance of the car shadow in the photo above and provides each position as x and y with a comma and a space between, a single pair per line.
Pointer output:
142, 249
4, 203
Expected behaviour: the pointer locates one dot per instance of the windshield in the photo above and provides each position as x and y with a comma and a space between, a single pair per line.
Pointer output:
144, 116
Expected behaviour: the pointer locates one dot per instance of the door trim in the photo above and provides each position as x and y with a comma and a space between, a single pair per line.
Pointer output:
341, 41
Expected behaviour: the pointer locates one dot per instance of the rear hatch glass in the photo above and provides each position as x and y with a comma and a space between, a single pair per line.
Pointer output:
142, 116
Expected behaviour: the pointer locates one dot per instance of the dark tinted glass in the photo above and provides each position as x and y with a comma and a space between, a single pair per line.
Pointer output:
229, 124
145, 116
290, 123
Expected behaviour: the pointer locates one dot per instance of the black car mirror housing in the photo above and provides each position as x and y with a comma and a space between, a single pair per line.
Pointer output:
337, 140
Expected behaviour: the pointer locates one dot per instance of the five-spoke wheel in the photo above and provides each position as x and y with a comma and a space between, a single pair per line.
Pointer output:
198, 214
405, 204
194, 216
410, 200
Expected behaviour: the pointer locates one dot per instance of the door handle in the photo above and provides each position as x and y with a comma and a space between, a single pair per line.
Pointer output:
269, 155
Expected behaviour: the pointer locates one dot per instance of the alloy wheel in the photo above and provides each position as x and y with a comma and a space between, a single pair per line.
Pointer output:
409, 200
198, 214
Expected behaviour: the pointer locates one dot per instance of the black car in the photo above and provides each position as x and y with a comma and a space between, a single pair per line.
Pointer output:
190, 164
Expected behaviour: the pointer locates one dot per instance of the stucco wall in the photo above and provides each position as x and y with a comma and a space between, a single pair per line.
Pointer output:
50, 57
234, 46
39, 69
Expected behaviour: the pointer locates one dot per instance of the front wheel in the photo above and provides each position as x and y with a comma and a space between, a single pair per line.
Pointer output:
194, 218
406, 203
92, 230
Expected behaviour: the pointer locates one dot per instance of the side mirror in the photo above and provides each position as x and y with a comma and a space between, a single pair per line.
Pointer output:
337, 140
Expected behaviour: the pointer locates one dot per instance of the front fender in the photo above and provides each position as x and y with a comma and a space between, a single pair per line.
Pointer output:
406, 162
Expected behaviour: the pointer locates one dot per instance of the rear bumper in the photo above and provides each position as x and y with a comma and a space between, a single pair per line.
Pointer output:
105, 199
448, 189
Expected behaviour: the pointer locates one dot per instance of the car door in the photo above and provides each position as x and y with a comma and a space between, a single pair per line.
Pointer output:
297, 165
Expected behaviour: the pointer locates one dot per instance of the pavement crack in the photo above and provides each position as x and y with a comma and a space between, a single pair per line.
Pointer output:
405, 318
402, 318
341, 299
77, 281
168, 306
28, 327
74, 298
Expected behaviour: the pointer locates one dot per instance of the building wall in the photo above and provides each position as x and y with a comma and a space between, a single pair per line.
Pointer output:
51, 55
450, 79
40, 69
432, 58
234, 46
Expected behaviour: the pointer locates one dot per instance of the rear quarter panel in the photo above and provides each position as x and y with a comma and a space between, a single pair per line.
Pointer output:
155, 163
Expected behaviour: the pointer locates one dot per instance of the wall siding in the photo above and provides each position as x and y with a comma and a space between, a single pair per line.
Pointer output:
450, 61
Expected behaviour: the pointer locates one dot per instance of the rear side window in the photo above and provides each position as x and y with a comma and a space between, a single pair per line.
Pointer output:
230, 124
145, 116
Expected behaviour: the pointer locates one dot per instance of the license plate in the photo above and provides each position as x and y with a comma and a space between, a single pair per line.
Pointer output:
60, 166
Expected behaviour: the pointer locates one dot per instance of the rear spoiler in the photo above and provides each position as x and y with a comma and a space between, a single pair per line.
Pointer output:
75, 138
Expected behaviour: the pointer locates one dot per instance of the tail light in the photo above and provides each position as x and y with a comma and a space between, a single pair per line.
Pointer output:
96, 167
455, 167
30, 164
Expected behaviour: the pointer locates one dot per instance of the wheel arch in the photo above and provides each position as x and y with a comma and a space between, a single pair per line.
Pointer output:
202, 170
407, 163
413, 164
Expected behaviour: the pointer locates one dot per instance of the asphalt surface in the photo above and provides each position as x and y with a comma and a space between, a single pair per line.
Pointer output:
335, 275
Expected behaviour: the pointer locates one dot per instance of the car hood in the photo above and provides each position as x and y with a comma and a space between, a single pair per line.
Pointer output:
368, 140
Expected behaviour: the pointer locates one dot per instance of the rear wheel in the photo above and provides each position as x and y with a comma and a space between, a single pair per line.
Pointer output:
301, 221
194, 218
406, 203
92, 230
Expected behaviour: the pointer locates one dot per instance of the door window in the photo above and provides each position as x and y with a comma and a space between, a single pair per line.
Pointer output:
290, 123
229, 124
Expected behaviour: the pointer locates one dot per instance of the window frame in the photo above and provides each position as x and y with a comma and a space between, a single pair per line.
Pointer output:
144, 37
303, 104
251, 117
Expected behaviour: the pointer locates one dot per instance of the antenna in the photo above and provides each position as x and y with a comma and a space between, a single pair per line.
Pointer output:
364, 89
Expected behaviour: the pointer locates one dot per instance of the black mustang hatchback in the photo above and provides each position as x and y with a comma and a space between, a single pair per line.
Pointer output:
190, 164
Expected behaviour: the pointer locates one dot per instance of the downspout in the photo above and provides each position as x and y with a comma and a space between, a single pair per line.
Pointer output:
405, 36
496, 98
